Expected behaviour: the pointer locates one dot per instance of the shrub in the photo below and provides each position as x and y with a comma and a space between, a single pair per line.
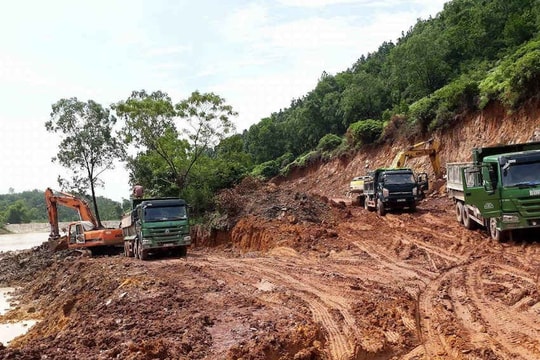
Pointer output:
516, 78
439, 109
364, 132
329, 142
266, 170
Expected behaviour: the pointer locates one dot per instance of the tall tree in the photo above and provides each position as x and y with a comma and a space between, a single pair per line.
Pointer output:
205, 121
149, 126
88, 146
172, 138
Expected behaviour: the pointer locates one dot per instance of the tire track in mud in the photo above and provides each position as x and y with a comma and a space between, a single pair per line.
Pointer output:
516, 330
430, 317
328, 301
457, 305
322, 303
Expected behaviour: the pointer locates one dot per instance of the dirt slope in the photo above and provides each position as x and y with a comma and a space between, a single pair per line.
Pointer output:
296, 275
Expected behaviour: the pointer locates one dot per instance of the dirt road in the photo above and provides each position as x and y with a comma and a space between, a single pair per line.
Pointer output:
352, 286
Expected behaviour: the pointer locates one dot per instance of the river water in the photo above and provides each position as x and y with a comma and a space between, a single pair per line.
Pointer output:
12, 242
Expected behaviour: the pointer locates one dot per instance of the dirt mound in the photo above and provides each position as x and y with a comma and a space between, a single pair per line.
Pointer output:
289, 274
20, 267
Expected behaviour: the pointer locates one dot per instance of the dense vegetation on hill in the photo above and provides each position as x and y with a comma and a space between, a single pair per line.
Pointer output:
473, 52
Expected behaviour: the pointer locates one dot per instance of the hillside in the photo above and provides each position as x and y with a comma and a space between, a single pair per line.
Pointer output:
493, 125
300, 277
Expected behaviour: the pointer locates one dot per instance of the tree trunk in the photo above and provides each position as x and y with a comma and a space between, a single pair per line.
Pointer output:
95, 204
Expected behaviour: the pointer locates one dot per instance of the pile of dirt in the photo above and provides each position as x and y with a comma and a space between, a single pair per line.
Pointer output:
266, 200
250, 214
20, 267
292, 273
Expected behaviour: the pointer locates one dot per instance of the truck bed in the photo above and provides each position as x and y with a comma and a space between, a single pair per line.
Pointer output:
453, 175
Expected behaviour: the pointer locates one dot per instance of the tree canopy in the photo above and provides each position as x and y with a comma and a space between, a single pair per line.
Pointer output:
88, 146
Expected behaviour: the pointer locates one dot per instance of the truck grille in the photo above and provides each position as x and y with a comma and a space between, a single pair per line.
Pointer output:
529, 207
164, 235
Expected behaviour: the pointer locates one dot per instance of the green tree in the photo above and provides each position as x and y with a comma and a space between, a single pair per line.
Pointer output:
17, 213
171, 138
88, 146
205, 121
365, 131
149, 126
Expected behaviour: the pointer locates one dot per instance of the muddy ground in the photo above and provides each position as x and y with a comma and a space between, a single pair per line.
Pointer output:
301, 277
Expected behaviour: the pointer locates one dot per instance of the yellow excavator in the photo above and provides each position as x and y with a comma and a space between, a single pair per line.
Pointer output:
425, 148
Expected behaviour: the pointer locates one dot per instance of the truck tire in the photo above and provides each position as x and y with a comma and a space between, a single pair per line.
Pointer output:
182, 251
496, 234
143, 253
459, 212
380, 208
412, 206
467, 221
127, 253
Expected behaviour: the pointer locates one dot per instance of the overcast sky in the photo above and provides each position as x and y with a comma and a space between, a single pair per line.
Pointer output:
258, 55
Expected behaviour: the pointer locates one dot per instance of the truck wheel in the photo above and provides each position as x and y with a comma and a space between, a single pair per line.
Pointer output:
467, 221
380, 208
496, 234
143, 254
182, 251
459, 212
412, 206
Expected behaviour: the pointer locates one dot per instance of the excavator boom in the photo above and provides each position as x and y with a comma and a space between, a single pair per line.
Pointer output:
425, 148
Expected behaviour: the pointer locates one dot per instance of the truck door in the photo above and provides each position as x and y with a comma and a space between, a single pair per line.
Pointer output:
481, 189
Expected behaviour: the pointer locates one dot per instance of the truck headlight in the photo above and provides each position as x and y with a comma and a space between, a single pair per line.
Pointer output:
385, 192
415, 191
510, 218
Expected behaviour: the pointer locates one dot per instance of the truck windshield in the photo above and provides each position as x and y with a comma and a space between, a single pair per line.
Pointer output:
399, 179
521, 174
164, 213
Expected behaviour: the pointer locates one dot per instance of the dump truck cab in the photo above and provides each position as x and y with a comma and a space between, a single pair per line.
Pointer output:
156, 225
500, 189
388, 189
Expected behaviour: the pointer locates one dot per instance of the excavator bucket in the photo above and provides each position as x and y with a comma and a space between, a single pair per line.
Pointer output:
58, 244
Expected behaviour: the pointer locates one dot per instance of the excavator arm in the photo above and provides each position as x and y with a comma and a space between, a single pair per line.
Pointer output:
55, 198
425, 148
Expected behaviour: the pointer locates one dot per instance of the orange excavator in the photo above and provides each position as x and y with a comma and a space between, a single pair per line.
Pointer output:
82, 234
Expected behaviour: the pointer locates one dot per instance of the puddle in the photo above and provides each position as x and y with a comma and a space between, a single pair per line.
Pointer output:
9, 331
4, 299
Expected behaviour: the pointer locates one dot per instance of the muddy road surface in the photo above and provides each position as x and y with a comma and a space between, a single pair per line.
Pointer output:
346, 285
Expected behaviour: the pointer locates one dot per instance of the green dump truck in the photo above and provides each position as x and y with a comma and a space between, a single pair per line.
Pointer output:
499, 189
156, 225
388, 189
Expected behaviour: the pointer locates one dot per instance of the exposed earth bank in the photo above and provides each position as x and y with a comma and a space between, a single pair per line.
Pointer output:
299, 273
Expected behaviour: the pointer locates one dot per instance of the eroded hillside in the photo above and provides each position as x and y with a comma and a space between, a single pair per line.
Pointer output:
293, 274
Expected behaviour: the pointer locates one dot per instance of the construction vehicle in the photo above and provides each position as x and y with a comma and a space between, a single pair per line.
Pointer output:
155, 225
498, 190
388, 189
356, 185
425, 148
85, 233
